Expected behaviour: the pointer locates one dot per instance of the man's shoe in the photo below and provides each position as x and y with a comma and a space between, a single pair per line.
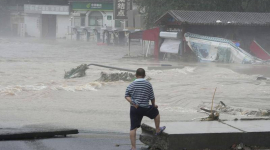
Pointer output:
161, 130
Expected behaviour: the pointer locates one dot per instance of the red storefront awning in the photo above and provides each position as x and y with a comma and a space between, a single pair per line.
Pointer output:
153, 35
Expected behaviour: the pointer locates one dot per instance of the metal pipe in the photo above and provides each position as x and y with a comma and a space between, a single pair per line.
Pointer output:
129, 47
147, 51
213, 101
121, 69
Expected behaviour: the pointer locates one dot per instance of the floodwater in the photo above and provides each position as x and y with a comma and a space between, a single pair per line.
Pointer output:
33, 90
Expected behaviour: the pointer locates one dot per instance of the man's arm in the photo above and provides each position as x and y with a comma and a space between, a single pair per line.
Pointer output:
128, 96
130, 101
154, 103
152, 97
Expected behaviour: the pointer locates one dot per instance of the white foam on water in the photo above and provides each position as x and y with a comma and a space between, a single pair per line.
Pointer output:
185, 70
93, 86
263, 83
154, 72
14, 90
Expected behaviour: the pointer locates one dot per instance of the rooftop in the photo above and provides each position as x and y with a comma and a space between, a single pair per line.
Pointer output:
214, 18
110, 1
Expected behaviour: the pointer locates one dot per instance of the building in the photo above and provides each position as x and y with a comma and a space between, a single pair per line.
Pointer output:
93, 13
46, 21
11, 16
96, 18
240, 27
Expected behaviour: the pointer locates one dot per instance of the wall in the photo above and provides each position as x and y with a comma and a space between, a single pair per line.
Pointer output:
4, 22
109, 23
62, 26
33, 25
139, 21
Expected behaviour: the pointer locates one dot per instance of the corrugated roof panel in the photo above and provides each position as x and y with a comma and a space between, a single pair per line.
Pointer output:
215, 18
111, 1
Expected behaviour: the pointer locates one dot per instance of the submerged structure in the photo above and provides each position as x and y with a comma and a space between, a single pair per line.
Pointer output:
218, 49
213, 31
123, 76
76, 72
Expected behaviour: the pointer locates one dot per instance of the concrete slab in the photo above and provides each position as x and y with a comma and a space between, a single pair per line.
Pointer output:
207, 135
197, 127
251, 126
34, 132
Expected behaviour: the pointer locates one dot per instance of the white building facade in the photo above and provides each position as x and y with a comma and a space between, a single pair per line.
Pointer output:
93, 14
46, 21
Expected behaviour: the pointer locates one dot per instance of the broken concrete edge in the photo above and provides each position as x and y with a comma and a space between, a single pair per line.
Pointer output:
261, 118
37, 134
149, 138
224, 140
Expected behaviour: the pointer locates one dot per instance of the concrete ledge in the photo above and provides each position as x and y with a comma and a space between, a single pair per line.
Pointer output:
148, 137
207, 135
33, 132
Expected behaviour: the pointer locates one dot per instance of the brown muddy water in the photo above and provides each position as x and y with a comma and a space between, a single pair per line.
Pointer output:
33, 90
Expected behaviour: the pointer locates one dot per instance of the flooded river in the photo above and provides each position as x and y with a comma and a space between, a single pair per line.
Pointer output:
33, 90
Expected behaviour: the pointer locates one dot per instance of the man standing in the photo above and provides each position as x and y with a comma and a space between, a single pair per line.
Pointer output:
138, 94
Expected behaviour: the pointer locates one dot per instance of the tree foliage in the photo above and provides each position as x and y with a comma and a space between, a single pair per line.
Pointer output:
155, 8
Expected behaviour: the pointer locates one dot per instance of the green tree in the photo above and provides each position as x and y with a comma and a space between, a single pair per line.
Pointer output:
155, 8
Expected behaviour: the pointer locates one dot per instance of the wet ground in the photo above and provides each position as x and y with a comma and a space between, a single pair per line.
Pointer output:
84, 141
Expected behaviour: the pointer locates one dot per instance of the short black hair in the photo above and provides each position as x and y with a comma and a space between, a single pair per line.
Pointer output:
140, 72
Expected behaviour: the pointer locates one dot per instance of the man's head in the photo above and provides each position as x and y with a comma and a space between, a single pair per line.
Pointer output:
140, 73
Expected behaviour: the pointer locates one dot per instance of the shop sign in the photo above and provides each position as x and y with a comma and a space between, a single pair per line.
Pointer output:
120, 9
92, 6
46, 9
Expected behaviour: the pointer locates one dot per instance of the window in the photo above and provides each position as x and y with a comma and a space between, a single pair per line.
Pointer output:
82, 19
77, 21
109, 17
95, 19
117, 23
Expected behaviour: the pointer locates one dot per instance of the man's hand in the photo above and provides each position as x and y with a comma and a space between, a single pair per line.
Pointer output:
153, 103
136, 106
133, 104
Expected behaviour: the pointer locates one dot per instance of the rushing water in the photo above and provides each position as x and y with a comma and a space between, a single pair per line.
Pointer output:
33, 90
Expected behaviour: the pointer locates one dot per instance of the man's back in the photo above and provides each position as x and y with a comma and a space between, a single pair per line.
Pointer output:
141, 92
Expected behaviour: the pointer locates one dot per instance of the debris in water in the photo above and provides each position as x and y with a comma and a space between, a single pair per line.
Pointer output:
123, 76
261, 78
223, 108
76, 72
213, 116
222, 103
